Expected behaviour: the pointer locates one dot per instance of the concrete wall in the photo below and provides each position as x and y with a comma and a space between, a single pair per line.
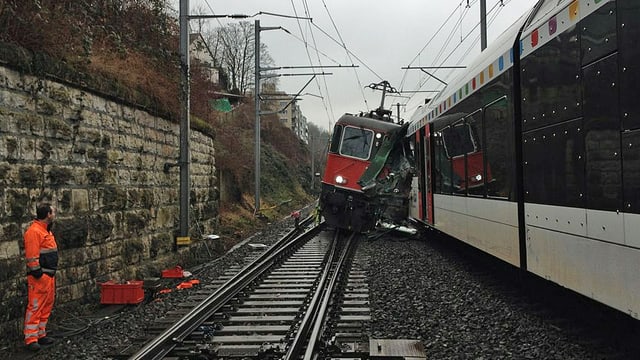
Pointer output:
101, 163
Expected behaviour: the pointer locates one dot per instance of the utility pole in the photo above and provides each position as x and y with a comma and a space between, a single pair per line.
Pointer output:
483, 25
185, 156
256, 95
313, 169
184, 121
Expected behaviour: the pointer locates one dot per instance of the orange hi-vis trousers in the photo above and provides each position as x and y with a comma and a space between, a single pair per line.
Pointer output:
42, 294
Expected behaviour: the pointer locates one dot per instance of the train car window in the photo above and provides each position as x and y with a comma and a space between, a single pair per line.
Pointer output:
629, 53
603, 163
554, 165
356, 142
335, 139
458, 140
550, 92
474, 162
442, 166
631, 171
498, 150
598, 37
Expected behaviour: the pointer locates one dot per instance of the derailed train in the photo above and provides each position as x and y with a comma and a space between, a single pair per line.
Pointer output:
532, 154
368, 172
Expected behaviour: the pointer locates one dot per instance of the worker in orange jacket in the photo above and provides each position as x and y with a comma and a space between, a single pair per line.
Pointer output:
41, 252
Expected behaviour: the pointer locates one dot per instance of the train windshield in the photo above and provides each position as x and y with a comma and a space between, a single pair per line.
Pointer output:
458, 140
335, 139
356, 142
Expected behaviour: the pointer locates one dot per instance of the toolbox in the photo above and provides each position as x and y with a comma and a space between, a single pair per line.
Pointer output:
130, 292
176, 272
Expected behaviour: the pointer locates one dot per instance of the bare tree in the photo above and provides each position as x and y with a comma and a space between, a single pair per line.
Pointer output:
198, 25
233, 46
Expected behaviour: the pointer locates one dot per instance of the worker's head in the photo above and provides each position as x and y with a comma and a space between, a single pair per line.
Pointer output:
45, 212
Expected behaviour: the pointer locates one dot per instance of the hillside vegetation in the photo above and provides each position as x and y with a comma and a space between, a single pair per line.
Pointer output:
129, 49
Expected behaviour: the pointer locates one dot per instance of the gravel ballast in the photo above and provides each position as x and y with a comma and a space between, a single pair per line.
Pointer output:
423, 290
418, 290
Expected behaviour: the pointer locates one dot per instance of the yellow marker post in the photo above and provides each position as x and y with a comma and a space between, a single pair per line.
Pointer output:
183, 240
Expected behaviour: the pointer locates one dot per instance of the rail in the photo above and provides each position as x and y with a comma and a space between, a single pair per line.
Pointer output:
309, 329
170, 338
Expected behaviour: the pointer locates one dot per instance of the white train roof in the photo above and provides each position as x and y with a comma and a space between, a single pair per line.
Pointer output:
552, 18
493, 61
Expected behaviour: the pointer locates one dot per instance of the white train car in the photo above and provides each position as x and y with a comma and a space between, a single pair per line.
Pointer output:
533, 154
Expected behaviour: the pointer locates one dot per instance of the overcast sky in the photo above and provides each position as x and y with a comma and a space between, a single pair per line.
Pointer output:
382, 37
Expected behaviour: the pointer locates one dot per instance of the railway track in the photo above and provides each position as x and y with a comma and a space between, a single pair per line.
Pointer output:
303, 297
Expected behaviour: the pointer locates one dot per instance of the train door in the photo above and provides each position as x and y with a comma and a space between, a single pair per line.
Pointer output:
421, 194
428, 193
415, 198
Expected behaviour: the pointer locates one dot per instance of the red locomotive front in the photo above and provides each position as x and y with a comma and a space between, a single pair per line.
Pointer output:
359, 171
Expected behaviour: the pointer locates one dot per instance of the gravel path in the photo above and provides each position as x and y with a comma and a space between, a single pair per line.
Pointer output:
419, 289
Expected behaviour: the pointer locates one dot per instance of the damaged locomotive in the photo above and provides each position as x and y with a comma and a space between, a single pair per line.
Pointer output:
368, 173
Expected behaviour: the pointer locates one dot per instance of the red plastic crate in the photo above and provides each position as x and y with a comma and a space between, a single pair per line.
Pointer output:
130, 292
176, 272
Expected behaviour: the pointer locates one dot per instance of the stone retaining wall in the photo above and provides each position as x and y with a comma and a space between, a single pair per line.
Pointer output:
102, 164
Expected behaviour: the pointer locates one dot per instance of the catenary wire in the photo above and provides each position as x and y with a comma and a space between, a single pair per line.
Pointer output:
317, 81
421, 85
329, 111
428, 43
349, 53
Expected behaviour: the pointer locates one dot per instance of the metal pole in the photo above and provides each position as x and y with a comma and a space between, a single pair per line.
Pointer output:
257, 106
313, 169
483, 25
184, 118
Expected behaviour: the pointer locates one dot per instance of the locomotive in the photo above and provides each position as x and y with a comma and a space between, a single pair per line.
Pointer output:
367, 177
531, 154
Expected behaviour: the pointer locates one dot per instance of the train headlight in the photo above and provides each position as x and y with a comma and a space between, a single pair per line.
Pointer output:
340, 180
478, 177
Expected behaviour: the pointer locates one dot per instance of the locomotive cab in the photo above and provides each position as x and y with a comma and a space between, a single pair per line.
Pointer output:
366, 167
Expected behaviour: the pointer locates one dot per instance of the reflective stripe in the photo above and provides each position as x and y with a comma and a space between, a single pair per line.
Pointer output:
33, 267
32, 259
31, 327
48, 271
45, 251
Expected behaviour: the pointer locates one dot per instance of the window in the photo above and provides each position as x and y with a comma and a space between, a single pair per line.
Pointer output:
475, 162
442, 166
335, 139
356, 142
458, 140
499, 150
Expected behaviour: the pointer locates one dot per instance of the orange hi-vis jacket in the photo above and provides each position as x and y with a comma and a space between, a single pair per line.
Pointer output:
40, 249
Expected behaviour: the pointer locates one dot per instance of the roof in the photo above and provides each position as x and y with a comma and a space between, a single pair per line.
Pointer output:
550, 17
367, 123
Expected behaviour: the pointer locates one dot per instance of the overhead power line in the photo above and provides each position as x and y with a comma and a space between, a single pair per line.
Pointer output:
501, 4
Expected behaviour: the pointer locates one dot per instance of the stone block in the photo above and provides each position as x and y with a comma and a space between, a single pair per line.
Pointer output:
18, 102
167, 217
79, 200
10, 249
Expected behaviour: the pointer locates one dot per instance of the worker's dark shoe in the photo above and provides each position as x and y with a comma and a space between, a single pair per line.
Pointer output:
34, 346
46, 341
